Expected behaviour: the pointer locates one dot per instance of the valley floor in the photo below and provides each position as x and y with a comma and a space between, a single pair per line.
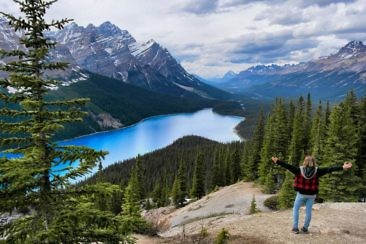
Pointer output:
229, 207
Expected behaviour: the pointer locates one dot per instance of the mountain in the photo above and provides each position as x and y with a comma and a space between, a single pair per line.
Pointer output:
107, 50
328, 77
114, 104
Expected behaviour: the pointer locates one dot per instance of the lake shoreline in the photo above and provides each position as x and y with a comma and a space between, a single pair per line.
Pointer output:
153, 117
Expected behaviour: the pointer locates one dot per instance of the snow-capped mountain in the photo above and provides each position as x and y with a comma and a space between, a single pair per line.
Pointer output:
109, 51
10, 40
112, 52
328, 77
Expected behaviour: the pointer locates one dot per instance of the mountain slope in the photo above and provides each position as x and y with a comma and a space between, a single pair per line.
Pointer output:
112, 52
114, 104
328, 77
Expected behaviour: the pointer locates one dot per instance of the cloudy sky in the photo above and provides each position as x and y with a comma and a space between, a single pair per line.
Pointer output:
211, 37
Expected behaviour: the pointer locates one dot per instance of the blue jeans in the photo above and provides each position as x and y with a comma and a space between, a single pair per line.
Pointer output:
301, 199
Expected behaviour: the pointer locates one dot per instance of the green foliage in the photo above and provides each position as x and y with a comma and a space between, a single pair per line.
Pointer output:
235, 166
253, 206
222, 237
252, 150
216, 178
40, 176
341, 145
198, 181
286, 194
179, 187
297, 144
272, 203
318, 134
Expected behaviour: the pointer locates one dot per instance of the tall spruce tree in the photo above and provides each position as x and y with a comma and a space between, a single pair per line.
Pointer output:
61, 214
252, 150
131, 205
307, 124
216, 178
280, 130
179, 190
286, 194
291, 117
235, 167
246, 167
297, 147
318, 134
228, 167
198, 181
265, 169
340, 146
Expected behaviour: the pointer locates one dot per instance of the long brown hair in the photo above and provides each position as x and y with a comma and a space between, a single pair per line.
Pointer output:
309, 161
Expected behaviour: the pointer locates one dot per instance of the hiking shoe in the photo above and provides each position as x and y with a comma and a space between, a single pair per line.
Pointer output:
295, 231
304, 230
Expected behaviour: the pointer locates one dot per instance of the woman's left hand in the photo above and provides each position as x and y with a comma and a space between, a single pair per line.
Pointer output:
347, 165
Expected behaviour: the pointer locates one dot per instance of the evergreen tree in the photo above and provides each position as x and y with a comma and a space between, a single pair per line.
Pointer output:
340, 146
228, 167
266, 171
291, 117
296, 149
327, 114
132, 196
235, 168
198, 181
280, 129
140, 177
157, 195
318, 134
216, 179
223, 157
40, 176
246, 167
286, 195
175, 191
252, 151
307, 124
253, 206
179, 187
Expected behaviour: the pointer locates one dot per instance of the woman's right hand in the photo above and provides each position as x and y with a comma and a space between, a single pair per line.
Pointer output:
347, 165
274, 160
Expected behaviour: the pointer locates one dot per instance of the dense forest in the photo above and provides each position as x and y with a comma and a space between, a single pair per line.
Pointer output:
290, 131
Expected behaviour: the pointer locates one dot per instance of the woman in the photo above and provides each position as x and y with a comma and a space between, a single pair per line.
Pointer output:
306, 184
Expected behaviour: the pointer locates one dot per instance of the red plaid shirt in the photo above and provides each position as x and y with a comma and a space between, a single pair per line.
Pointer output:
306, 186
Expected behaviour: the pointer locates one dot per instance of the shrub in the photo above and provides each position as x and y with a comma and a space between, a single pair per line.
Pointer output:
272, 203
222, 237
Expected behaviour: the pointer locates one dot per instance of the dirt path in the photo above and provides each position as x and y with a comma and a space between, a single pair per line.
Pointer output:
229, 207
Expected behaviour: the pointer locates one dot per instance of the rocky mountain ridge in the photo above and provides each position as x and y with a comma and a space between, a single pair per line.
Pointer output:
110, 51
343, 71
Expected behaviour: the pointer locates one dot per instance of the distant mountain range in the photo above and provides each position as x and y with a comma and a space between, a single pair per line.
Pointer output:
109, 51
126, 81
328, 77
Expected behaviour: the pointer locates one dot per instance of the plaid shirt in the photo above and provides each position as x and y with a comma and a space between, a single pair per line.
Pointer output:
306, 186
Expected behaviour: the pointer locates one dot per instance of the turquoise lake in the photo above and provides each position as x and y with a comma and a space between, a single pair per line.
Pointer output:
159, 131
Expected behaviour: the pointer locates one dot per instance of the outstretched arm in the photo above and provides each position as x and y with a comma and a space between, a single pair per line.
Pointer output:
323, 171
292, 169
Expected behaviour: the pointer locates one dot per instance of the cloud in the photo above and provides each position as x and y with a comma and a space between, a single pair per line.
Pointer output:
269, 47
210, 37
200, 6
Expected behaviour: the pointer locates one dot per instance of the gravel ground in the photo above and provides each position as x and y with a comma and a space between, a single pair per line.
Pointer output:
229, 207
